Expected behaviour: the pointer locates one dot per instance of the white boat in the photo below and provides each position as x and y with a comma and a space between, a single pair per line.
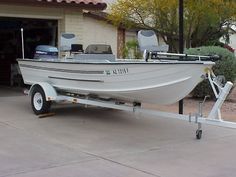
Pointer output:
160, 78
96, 79
160, 82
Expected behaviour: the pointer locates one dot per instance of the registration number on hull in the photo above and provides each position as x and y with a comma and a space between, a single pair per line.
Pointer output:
120, 71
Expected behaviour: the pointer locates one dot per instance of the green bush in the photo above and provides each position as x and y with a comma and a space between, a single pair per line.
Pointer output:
226, 66
131, 51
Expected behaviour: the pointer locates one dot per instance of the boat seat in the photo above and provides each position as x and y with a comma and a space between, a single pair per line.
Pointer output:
67, 39
147, 40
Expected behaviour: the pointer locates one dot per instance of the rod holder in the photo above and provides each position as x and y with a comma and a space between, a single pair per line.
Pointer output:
22, 43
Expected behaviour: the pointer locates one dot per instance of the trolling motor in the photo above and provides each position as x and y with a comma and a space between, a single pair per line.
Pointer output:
179, 57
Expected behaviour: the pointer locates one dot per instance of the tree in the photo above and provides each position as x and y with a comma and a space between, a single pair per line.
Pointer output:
204, 19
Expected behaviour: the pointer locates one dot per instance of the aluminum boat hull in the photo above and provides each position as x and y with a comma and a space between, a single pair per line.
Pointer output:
163, 82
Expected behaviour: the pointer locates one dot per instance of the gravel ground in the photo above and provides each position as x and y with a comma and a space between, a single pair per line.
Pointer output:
228, 109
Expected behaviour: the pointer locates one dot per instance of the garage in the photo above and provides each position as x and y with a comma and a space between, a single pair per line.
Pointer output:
36, 32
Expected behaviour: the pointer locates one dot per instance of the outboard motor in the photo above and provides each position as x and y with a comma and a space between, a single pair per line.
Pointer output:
46, 52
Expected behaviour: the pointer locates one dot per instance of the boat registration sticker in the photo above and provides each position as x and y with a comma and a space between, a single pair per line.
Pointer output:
120, 71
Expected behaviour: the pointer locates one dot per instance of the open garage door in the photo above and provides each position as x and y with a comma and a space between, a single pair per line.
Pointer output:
36, 32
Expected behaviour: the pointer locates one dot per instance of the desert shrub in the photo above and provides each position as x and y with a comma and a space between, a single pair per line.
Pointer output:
226, 66
131, 50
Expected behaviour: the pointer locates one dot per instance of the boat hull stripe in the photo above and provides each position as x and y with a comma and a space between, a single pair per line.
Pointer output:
61, 70
69, 79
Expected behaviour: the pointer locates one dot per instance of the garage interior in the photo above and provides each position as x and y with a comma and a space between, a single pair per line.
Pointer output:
36, 32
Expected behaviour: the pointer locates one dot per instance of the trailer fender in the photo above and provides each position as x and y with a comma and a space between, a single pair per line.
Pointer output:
49, 90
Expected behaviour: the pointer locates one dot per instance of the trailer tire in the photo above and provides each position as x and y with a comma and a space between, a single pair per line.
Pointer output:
38, 101
199, 134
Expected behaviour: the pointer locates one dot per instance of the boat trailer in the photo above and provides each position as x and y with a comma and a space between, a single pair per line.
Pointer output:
42, 94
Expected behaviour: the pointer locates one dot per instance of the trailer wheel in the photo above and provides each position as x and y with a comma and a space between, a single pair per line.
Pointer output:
38, 101
199, 134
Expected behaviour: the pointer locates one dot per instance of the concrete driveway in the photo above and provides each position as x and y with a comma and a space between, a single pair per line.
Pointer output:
93, 142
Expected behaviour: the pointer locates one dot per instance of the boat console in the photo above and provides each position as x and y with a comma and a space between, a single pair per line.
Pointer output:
96, 53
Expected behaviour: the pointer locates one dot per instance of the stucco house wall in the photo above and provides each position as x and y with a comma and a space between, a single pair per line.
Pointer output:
99, 32
73, 22
23, 11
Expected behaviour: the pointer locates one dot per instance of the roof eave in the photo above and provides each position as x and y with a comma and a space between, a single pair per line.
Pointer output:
89, 6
